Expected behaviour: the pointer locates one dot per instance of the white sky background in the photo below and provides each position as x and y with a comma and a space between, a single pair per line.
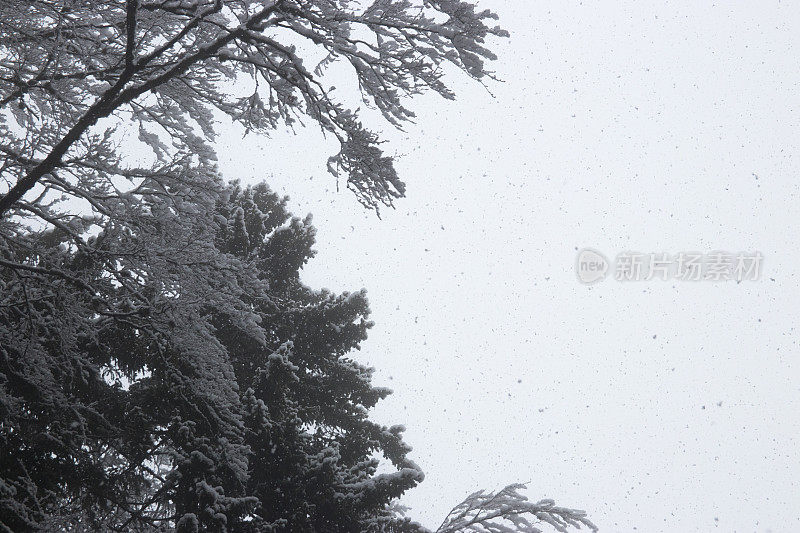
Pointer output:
652, 128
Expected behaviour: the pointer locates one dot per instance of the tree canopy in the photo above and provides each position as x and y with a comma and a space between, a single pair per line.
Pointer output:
162, 367
204, 420
164, 67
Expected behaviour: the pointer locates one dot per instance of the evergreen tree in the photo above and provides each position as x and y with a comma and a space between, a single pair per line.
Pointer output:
113, 385
208, 414
218, 393
315, 453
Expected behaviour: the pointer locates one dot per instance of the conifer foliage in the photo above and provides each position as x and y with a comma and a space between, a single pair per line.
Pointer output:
208, 389
181, 409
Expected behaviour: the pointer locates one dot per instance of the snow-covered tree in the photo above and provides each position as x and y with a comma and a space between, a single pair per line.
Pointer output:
163, 68
217, 395
192, 407
93, 239
109, 363
161, 365
315, 453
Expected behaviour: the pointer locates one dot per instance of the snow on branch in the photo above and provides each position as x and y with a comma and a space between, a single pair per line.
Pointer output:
166, 68
508, 511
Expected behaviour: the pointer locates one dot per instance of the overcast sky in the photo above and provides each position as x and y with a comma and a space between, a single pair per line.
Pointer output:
655, 405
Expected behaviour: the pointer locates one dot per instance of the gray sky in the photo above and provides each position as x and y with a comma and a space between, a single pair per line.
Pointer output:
619, 126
